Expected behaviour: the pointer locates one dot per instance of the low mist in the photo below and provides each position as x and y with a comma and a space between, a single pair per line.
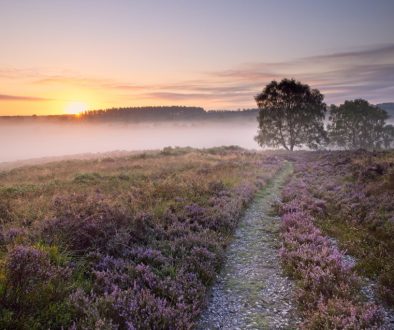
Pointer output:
26, 140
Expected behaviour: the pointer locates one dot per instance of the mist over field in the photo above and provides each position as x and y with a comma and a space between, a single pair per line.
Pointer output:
26, 140
29, 139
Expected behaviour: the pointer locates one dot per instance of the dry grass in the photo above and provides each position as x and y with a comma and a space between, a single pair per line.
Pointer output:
142, 233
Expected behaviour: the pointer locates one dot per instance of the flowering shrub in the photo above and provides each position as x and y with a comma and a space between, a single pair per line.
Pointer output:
328, 286
26, 267
339, 313
126, 244
13, 235
358, 194
32, 284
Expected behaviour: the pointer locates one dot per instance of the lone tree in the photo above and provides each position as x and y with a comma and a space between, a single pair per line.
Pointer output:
358, 124
291, 114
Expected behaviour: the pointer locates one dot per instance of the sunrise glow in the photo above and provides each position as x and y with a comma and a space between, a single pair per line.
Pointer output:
75, 108
142, 58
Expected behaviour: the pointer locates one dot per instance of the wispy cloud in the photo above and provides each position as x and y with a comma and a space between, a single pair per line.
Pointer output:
366, 72
363, 54
4, 97
178, 96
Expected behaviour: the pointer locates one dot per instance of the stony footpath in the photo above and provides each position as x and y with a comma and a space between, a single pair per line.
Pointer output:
252, 292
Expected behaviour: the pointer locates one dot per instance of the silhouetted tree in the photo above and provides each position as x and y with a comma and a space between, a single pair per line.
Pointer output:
291, 114
358, 124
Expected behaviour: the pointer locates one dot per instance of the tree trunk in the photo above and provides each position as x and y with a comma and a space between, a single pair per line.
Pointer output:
285, 146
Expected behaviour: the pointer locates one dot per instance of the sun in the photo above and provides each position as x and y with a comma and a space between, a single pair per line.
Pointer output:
75, 108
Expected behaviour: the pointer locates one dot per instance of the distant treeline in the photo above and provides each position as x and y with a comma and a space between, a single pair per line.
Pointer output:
166, 113
160, 113
147, 114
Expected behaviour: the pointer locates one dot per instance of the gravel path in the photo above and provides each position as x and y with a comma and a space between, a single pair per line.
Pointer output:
251, 292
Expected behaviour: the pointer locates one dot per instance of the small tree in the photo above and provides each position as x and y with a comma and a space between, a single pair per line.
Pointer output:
358, 124
291, 114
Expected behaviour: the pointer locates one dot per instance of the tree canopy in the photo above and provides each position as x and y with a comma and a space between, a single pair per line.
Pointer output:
291, 115
358, 124
166, 113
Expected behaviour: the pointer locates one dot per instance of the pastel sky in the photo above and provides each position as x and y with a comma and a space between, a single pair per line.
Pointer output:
217, 54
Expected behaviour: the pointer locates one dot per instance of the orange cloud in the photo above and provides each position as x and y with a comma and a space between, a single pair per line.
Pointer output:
367, 73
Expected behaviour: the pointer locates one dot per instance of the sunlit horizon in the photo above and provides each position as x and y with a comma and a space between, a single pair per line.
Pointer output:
216, 55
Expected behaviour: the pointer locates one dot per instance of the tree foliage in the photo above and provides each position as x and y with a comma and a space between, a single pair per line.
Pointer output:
358, 124
165, 113
291, 114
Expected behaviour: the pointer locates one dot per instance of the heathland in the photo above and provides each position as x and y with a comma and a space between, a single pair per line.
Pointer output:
136, 241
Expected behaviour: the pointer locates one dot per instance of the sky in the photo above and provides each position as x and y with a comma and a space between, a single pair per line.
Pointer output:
67, 56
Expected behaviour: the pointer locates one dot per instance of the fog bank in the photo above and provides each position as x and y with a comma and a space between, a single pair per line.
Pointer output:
26, 140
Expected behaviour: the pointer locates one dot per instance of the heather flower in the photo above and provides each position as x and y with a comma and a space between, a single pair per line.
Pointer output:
13, 235
344, 314
138, 253
328, 287
26, 268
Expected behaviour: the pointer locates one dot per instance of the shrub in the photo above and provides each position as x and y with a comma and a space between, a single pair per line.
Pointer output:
33, 286
117, 252
328, 289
